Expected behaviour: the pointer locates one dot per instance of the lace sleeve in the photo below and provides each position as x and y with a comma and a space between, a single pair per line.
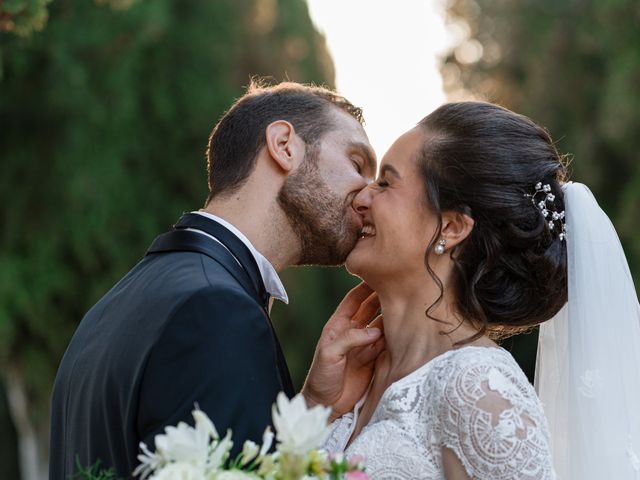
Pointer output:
341, 430
490, 417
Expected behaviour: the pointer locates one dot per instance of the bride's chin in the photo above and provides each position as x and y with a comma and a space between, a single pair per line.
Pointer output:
349, 265
356, 265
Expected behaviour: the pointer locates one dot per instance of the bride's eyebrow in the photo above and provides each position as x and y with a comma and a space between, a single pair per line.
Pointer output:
391, 170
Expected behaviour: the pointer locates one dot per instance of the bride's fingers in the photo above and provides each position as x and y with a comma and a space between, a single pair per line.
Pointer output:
367, 310
340, 330
368, 354
377, 322
341, 345
352, 301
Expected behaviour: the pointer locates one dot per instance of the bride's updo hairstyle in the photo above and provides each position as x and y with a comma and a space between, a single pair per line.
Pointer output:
483, 160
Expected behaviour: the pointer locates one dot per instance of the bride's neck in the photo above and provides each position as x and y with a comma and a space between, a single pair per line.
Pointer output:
412, 338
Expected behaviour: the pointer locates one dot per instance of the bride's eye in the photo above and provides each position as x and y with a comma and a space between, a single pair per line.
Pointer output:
382, 183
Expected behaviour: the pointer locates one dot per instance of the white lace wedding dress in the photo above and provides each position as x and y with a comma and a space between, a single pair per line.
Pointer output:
475, 401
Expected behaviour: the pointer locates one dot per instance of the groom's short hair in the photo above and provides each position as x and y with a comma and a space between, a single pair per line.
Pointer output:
239, 135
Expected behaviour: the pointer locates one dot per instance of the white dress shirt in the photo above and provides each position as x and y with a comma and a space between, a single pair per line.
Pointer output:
272, 283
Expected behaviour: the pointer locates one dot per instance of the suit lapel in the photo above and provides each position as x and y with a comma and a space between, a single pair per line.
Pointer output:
184, 240
246, 273
233, 244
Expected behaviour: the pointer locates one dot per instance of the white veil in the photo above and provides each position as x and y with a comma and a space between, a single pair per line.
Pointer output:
588, 367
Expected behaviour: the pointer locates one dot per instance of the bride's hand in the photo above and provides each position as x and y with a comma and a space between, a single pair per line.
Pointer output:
343, 363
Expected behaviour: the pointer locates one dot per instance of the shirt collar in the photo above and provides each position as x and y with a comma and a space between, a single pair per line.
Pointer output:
272, 282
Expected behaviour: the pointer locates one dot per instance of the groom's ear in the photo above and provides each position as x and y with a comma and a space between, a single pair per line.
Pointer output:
456, 226
285, 147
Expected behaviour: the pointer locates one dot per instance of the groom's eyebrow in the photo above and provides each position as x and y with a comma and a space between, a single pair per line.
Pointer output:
367, 153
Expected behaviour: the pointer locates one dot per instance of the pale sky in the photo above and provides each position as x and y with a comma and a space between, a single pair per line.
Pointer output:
386, 59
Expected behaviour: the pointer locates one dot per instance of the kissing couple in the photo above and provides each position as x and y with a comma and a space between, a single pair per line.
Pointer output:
469, 233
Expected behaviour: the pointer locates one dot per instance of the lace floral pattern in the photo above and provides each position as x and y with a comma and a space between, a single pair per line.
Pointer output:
475, 401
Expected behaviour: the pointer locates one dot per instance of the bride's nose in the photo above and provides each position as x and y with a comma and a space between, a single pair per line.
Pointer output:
362, 200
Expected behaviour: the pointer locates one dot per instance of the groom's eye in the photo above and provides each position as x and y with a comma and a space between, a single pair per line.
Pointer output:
382, 183
358, 167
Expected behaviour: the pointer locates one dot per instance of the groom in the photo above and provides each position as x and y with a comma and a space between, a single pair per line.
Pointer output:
190, 323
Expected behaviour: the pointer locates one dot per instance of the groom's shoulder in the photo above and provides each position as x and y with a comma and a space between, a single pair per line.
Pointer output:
185, 268
198, 285
176, 276
163, 287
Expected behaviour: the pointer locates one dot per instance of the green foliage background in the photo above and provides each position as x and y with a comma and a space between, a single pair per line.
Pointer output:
104, 117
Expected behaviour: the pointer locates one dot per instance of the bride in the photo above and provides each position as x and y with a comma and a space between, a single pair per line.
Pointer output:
485, 191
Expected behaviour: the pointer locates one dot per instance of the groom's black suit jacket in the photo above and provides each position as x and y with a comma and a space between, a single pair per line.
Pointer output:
187, 325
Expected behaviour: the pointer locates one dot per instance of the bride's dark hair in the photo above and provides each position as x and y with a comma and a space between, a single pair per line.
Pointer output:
482, 160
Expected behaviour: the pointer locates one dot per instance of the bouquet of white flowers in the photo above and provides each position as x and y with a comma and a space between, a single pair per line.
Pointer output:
199, 453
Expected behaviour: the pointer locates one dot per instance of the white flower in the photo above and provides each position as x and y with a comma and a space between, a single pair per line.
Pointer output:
268, 466
179, 471
236, 475
250, 451
204, 424
267, 441
300, 429
149, 462
183, 444
220, 452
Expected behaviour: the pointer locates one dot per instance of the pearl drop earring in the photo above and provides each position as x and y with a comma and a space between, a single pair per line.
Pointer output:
440, 246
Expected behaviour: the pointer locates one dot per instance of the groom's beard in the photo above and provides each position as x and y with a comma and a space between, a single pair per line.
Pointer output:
317, 215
